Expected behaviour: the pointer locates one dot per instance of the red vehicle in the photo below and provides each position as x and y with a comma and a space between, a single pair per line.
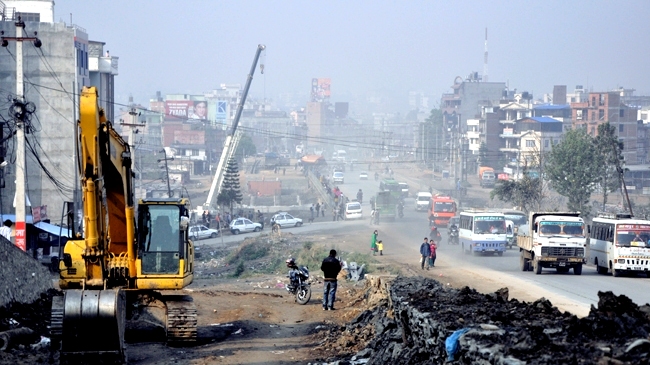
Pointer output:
441, 209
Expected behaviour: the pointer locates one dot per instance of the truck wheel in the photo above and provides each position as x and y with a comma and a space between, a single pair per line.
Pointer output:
523, 263
616, 273
577, 270
475, 253
500, 253
537, 266
600, 269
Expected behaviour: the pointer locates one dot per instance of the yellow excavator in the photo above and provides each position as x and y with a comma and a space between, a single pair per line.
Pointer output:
126, 259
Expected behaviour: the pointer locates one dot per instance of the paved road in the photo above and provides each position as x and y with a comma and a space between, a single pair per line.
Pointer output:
402, 239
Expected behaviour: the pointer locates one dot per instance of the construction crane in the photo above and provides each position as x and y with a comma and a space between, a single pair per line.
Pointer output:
232, 139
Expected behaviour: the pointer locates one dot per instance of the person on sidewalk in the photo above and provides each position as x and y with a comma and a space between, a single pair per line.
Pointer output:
433, 246
331, 268
5, 231
373, 242
380, 247
425, 252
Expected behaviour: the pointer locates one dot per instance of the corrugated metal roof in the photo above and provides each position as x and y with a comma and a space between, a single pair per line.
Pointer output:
552, 106
545, 120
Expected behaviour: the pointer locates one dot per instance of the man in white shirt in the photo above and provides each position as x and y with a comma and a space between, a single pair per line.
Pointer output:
5, 230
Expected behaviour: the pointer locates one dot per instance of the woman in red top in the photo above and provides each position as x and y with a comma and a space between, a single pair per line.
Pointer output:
432, 259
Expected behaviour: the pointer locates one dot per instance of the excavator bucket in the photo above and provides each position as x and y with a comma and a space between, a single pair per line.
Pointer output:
90, 326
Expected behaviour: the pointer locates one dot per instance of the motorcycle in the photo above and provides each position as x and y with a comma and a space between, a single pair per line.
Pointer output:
299, 284
453, 235
435, 236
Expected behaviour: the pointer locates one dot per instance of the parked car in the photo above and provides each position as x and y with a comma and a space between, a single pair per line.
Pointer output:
353, 210
201, 232
243, 225
363, 175
405, 189
284, 219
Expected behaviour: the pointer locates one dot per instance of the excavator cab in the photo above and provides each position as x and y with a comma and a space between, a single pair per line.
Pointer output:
165, 253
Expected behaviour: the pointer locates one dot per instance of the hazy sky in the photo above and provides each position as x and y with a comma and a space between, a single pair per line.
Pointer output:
368, 48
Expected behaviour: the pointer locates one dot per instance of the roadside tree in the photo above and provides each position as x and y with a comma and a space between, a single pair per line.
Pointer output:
573, 169
230, 191
609, 149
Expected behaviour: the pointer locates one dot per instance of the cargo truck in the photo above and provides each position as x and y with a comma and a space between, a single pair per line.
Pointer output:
552, 240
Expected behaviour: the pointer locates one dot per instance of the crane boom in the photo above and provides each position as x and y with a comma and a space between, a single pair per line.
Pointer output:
230, 144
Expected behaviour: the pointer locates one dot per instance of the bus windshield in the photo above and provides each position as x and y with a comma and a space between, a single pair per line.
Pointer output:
633, 238
444, 207
548, 228
517, 219
490, 225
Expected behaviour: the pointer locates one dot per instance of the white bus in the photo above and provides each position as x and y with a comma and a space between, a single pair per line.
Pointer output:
621, 244
482, 232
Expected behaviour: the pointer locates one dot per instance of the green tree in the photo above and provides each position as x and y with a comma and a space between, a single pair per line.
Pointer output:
609, 149
433, 136
526, 193
230, 190
572, 167
245, 147
483, 154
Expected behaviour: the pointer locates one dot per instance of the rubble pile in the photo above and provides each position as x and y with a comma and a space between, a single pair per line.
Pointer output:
419, 325
22, 278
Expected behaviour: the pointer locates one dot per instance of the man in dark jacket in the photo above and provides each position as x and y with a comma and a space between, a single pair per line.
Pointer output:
331, 268
425, 251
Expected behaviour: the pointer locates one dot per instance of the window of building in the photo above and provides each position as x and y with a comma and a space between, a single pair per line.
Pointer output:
530, 143
546, 143
579, 114
601, 114
621, 128
593, 101
195, 152
593, 115
621, 113
29, 17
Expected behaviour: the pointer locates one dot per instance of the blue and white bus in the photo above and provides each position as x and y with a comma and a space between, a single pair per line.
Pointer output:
620, 244
483, 232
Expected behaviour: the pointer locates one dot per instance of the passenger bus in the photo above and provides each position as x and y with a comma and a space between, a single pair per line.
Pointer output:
621, 244
441, 209
392, 186
482, 232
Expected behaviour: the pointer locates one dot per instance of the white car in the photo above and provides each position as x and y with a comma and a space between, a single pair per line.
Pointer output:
353, 210
284, 219
337, 177
242, 225
200, 232
363, 175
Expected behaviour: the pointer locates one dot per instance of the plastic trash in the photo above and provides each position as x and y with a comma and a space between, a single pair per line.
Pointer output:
451, 343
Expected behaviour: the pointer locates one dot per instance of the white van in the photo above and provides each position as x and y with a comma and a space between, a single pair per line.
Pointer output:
422, 201
353, 210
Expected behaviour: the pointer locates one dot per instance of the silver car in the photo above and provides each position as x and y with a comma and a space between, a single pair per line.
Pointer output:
201, 232
286, 220
242, 225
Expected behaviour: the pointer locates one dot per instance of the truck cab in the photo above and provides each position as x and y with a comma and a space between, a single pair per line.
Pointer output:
553, 240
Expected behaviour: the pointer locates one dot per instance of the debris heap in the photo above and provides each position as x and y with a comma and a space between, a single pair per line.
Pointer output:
425, 322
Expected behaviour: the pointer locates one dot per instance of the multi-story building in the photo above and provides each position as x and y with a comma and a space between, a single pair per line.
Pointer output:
54, 75
602, 107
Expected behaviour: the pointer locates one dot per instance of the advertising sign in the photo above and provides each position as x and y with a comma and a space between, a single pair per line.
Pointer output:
221, 117
187, 109
320, 89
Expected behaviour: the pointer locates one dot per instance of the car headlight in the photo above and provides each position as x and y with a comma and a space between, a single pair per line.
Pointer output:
621, 261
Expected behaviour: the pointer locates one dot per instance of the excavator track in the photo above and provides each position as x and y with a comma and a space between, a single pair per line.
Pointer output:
181, 319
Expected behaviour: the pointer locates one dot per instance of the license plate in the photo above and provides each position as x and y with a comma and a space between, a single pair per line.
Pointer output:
637, 268
490, 249
562, 263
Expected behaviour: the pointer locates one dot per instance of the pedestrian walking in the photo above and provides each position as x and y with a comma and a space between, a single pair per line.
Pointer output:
5, 230
317, 209
322, 210
432, 257
311, 213
208, 218
331, 268
373, 242
425, 252
380, 247
204, 216
334, 215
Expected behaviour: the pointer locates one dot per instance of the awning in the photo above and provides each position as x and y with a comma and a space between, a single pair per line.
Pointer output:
313, 159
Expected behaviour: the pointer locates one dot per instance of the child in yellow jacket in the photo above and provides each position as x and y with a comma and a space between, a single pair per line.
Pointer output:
380, 247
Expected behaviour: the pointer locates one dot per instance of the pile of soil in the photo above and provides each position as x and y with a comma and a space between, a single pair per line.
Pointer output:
35, 316
412, 328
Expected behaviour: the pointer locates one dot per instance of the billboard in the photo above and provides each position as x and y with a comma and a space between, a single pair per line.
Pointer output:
320, 89
186, 109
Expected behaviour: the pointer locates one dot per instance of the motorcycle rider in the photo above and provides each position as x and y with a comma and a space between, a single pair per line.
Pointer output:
452, 233
293, 272
400, 208
435, 235
360, 196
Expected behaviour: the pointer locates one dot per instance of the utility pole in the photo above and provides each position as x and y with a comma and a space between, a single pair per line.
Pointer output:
133, 125
20, 111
